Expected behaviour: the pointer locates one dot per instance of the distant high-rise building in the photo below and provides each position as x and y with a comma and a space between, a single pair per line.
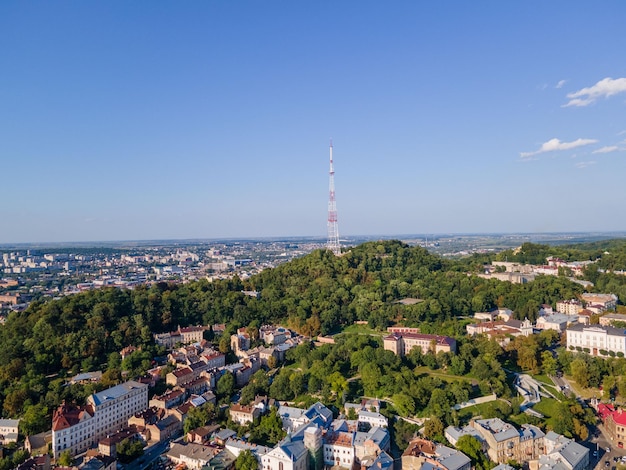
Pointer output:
333, 227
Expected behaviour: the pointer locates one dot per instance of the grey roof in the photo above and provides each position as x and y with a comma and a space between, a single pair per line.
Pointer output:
378, 435
450, 458
116, 392
455, 433
293, 449
9, 423
225, 434
566, 449
290, 412
503, 466
320, 414
500, 430
531, 432
610, 330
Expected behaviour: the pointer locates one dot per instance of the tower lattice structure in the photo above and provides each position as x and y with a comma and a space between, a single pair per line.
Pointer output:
333, 226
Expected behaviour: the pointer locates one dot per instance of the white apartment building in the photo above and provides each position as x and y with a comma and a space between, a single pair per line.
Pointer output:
596, 338
78, 428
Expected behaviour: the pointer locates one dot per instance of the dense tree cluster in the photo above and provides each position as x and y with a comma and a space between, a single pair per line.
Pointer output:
316, 294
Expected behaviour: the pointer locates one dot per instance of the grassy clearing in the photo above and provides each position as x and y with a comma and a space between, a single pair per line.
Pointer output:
547, 407
362, 330
423, 370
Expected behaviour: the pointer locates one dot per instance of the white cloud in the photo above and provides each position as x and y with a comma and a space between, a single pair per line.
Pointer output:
607, 149
560, 84
604, 88
582, 165
555, 144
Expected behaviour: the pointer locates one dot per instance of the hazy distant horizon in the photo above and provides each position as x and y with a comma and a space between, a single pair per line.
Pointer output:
561, 236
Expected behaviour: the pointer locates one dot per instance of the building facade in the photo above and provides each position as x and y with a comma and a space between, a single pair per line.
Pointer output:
402, 343
597, 340
78, 428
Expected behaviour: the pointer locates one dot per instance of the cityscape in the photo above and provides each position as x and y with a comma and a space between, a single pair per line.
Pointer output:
193, 276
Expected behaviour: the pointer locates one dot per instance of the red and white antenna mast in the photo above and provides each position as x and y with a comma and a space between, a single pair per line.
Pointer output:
333, 227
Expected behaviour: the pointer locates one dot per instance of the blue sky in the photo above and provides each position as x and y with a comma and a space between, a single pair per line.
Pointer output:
151, 119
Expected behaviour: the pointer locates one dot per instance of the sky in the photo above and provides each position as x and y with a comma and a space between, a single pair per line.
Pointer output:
204, 119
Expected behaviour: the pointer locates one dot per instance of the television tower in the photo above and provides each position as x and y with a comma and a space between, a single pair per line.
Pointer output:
333, 227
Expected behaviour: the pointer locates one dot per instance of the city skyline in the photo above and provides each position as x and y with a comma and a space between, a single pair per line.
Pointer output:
209, 121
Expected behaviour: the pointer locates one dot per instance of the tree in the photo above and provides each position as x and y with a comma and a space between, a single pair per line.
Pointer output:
35, 420
246, 461
580, 372
199, 416
128, 450
225, 386
65, 459
270, 429
472, 447
433, 429
404, 404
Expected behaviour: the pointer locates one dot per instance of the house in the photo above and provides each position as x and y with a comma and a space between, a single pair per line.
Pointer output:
453, 434
372, 418
569, 307
202, 435
557, 322
287, 455
168, 400
193, 456
179, 376
402, 343
614, 420
9, 429
339, 449
99, 462
40, 462
611, 318
242, 414
561, 452
108, 445
505, 442
421, 453
38, 444
165, 428
602, 301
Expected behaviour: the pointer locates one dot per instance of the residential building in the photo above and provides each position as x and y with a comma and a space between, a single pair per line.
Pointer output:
76, 429
614, 420
421, 453
597, 340
168, 400
339, 449
611, 318
193, 456
453, 434
557, 322
9, 429
402, 343
287, 455
505, 442
179, 376
372, 418
569, 307
561, 452
243, 414
603, 301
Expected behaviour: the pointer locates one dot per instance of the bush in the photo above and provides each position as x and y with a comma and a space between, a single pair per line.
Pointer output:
604, 352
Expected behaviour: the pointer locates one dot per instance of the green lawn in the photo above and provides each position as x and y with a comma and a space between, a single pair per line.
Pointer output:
443, 375
363, 330
548, 408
